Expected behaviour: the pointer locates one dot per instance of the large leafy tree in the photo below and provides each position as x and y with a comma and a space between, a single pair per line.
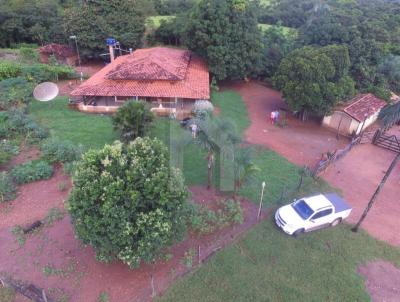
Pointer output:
127, 202
94, 21
34, 21
313, 80
225, 33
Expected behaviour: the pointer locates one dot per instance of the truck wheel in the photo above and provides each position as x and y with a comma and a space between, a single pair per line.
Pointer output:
298, 232
336, 222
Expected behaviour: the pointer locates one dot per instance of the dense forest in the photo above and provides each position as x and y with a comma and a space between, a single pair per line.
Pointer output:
316, 52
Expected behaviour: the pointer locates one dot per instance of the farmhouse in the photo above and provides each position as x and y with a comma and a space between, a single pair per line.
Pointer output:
171, 80
355, 115
63, 54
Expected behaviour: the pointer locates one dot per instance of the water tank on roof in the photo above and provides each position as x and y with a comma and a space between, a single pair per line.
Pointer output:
111, 41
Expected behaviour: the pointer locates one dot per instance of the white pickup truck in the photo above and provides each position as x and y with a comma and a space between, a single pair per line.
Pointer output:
312, 213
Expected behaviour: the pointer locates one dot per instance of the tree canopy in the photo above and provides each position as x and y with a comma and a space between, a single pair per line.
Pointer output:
127, 202
225, 33
95, 21
314, 79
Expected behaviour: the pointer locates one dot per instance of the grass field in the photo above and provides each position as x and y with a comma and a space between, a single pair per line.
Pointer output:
267, 265
92, 131
154, 22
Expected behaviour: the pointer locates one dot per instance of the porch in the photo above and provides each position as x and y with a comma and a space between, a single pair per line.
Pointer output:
179, 108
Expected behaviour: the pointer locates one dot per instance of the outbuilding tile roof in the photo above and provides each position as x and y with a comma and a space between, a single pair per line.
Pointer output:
363, 106
153, 72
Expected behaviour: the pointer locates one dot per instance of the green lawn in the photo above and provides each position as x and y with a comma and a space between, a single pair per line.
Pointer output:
154, 22
92, 131
288, 31
267, 265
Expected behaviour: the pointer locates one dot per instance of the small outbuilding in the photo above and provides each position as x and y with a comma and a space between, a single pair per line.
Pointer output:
63, 53
355, 115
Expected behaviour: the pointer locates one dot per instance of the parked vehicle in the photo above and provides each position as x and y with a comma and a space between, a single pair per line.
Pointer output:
312, 213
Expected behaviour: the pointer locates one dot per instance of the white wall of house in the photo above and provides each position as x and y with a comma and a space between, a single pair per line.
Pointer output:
347, 127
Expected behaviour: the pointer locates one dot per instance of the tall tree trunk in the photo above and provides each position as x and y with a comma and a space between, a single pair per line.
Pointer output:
209, 163
373, 198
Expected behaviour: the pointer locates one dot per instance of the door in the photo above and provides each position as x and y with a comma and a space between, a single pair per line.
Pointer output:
319, 220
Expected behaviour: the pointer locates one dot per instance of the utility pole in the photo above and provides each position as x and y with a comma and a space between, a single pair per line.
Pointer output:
79, 56
377, 191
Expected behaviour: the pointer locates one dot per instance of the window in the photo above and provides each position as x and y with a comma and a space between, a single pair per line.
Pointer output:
302, 208
322, 214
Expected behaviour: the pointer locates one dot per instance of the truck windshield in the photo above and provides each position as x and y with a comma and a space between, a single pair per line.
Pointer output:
302, 208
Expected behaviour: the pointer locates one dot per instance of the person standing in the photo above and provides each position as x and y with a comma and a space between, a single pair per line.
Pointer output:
276, 116
193, 127
272, 117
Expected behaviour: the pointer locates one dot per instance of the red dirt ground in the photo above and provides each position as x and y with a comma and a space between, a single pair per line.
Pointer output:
358, 174
34, 200
382, 280
80, 277
26, 153
300, 142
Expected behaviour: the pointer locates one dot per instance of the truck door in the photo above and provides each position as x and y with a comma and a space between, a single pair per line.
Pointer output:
319, 220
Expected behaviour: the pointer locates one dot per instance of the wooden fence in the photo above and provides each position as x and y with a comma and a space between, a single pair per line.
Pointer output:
332, 157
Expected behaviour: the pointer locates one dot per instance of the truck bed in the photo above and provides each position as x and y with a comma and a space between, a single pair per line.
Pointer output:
339, 204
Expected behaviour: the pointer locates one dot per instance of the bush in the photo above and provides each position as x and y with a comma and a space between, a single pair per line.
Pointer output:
7, 150
204, 220
127, 202
43, 72
9, 69
57, 150
70, 167
7, 188
15, 121
15, 92
29, 54
32, 171
133, 119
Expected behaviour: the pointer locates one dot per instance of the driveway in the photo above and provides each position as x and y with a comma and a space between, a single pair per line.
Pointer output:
357, 174
302, 143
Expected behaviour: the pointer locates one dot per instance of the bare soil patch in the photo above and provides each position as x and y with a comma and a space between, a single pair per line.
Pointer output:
34, 200
55, 260
382, 280
26, 153
300, 142
358, 174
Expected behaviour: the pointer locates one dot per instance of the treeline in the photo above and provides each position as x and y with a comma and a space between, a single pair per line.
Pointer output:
228, 34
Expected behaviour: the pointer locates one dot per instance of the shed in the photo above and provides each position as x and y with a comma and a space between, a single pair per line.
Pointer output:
355, 115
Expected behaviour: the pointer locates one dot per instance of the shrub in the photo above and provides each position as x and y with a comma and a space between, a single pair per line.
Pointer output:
29, 54
43, 72
133, 119
127, 202
204, 220
7, 188
69, 168
15, 92
7, 150
17, 122
9, 69
32, 171
57, 150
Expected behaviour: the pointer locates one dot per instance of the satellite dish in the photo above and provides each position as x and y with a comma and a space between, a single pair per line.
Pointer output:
45, 91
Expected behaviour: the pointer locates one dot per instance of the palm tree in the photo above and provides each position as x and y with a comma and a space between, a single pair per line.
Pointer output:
390, 115
217, 136
244, 168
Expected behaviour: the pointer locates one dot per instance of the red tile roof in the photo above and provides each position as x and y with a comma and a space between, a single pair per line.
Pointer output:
363, 106
58, 50
153, 72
